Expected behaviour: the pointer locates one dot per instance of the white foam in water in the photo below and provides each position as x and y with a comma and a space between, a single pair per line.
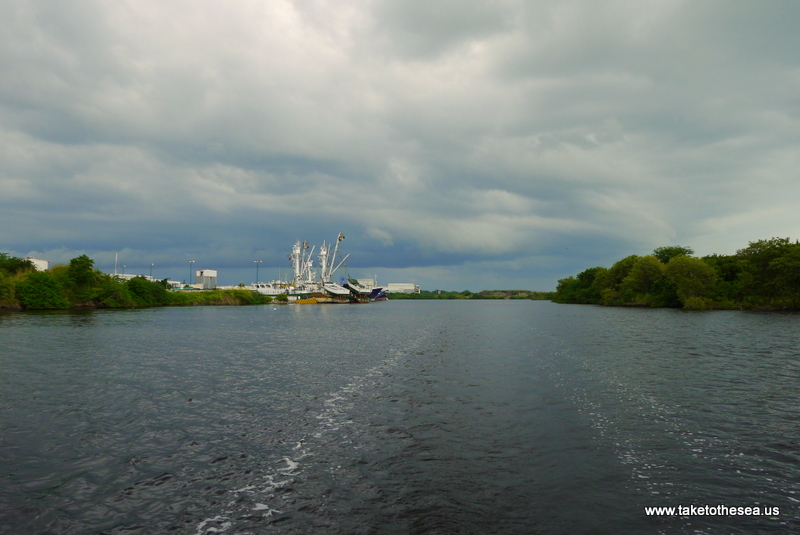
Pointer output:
332, 417
264, 507
201, 528
290, 468
628, 448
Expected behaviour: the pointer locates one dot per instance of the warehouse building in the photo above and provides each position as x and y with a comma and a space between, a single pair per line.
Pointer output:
402, 288
206, 279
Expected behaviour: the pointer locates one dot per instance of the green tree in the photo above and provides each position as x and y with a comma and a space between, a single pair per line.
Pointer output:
759, 271
567, 290
147, 293
764, 274
785, 272
40, 290
694, 279
667, 253
644, 274
12, 264
113, 293
729, 286
665, 293
587, 291
609, 282
6, 288
82, 280
81, 271
580, 289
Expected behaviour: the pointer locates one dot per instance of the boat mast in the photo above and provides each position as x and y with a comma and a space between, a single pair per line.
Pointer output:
308, 262
331, 269
301, 262
342, 262
323, 261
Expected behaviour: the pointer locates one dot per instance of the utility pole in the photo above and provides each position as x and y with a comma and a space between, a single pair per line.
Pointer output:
257, 262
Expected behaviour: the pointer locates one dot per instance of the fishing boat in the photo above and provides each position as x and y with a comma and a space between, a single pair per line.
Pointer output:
308, 286
332, 292
358, 292
379, 294
273, 288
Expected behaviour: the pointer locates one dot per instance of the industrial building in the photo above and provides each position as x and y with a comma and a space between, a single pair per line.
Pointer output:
402, 287
206, 279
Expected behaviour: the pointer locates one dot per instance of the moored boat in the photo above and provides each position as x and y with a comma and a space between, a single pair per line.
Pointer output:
379, 294
306, 286
273, 288
358, 292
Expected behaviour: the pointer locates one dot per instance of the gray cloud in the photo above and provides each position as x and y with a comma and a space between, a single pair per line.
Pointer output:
423, 30
456, 144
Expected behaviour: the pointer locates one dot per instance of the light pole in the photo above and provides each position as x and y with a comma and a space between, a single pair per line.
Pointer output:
123, 269
151, 272
190, 271
257, 263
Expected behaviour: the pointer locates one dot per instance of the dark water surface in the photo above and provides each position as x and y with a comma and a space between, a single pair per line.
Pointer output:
398, 417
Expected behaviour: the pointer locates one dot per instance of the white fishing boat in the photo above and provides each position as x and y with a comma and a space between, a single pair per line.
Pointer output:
272, 288
358, 292
308, 286
332, 292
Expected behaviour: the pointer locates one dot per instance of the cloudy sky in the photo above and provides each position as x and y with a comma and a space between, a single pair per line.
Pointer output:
458, 144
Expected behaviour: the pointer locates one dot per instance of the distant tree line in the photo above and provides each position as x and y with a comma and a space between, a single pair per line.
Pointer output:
79, 285
763, 275
466, 294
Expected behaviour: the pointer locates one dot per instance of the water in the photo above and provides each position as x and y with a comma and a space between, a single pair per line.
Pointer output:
400, 417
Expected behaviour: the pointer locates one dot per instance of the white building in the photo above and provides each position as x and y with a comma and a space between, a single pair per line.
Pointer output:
206, 278
402, 288
39, 264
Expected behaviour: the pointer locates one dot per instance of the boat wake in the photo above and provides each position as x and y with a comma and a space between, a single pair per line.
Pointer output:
288, 487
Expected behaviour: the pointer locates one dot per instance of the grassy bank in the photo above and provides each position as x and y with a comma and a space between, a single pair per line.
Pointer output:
218, 297
79, 285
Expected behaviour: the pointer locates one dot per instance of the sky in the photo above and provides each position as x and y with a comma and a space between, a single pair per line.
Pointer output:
459, 145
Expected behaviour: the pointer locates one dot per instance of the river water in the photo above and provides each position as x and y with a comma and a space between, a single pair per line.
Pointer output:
437, 417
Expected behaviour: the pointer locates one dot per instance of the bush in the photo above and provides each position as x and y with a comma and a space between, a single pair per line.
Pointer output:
115, 294
580, 289
40, 290
692, 277
147, 293
645, 273
6, 287
80, 278
11, 264
697, 303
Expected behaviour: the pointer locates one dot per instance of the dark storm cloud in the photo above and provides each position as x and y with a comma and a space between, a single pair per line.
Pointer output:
456, 144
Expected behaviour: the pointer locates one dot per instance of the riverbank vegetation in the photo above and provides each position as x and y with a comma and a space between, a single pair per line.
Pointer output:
765, 275
79, 285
